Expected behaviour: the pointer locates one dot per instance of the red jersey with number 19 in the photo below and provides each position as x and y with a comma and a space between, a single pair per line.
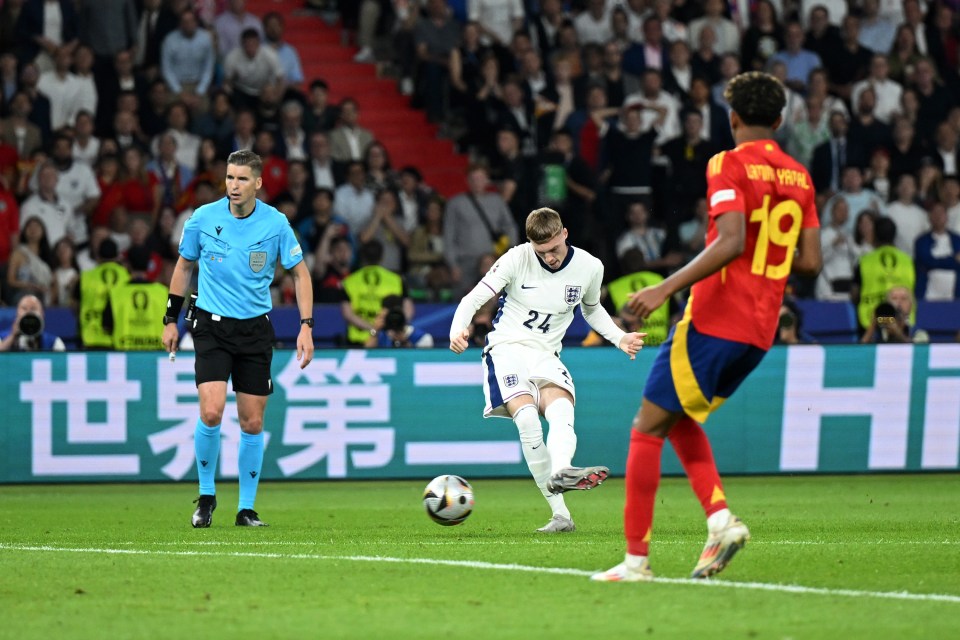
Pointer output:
742, 301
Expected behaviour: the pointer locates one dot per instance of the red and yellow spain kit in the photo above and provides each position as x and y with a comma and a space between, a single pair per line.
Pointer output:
741, 302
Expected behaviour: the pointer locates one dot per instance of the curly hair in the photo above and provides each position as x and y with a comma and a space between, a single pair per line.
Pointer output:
757, 97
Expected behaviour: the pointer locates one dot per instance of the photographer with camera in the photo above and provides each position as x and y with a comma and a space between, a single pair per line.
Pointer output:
393, 330
891, 321
790, 325
26, 333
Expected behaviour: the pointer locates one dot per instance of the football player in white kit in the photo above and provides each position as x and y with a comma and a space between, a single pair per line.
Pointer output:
539, 284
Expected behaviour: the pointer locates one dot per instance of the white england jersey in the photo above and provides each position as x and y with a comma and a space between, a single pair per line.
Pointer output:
536, 302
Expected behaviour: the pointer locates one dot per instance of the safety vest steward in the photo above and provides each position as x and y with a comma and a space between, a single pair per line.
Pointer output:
657, 324
138, 310
882, 269
95, 287
366, 288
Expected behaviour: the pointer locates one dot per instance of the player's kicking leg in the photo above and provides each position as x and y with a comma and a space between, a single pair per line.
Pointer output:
557, 407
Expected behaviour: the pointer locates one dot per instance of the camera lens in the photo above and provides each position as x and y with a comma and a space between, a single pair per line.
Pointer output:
31, 325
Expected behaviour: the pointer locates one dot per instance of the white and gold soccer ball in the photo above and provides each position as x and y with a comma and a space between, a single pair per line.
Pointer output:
448, 500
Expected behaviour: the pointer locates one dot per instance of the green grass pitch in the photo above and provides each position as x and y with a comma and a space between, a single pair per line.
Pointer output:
831, 557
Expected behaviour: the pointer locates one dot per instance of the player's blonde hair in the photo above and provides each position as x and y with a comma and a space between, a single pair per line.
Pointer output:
543, 224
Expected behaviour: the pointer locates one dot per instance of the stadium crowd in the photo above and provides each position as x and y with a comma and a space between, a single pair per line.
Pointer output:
116, 118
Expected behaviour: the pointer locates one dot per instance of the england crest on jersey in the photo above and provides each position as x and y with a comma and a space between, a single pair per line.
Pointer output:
571, 293
510, 380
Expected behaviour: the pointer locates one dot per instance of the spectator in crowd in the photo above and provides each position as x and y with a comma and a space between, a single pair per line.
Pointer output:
679, 74
353, 201
40, 108
142, 193
864, 232
387, 225
545, 25
831, 156
57, 216
941, 37
178, 126
215, 123
9, 221
654, 101
517, 113
726, 32
935, 101
474, 222
292, 137
888, 92
839, 255
851, 62
364, 291
66, 93
651, 53
435, 37
910, 219
879, 271
172, 176
155, 21
231, 24
380, 174
427, 273
111, 189
729, 68
876, 31
648, 239
187, 59
86, 146
687, 156
568, 186
628, 173
762, 39
28, 271
320, 114
822, 38
937, 257
714, 123
704, 60
348, 140
593, 24
244, 131
65, 289
946, 152
515, 175
27, 331
809, 133
139, 230
45, 27
906, 153
857, 197
904, 56
17, 130
249, 69
800, 62
332, 261
394, 329
413, 194
321, 221
866, 128
322, 170
273, 26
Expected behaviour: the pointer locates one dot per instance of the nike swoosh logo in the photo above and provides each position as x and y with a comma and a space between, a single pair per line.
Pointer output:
538, 446
523, 286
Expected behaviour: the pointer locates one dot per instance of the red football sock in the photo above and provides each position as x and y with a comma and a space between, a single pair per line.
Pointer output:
693, 449
643, 478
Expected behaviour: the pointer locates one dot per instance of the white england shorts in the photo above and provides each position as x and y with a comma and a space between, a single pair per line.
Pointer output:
513, 370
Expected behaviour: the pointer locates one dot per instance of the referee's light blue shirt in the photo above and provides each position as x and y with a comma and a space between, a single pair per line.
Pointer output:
238, 256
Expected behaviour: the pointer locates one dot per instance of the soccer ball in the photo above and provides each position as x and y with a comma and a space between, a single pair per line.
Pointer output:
448, 500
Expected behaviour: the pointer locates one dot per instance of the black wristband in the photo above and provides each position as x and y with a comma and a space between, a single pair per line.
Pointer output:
174, 304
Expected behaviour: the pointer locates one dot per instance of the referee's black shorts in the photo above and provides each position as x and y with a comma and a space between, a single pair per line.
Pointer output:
230, 348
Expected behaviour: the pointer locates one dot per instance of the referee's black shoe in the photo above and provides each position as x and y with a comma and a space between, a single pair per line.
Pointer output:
249, 518
203, 516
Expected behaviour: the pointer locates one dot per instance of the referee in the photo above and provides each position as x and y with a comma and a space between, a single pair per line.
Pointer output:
238, 241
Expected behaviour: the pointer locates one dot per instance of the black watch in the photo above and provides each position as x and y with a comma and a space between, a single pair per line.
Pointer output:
307, 321
169, 320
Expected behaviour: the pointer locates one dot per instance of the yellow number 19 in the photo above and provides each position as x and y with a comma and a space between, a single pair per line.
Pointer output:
770, 231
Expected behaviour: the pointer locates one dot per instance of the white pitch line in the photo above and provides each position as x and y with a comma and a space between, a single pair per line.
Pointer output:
473, 564
500, 543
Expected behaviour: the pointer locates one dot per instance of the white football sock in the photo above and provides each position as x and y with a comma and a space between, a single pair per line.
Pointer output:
536, 454
718, 520
561, 439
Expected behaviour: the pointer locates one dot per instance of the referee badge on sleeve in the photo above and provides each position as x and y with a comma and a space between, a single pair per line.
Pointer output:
258, 260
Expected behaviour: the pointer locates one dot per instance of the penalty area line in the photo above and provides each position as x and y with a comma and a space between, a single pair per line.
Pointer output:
476, 564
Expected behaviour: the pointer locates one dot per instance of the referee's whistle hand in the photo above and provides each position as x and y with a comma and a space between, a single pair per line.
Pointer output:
170, 337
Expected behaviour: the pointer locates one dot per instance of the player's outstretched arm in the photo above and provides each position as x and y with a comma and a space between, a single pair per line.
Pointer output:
731, 236
460, 326
809, 259
178, 287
